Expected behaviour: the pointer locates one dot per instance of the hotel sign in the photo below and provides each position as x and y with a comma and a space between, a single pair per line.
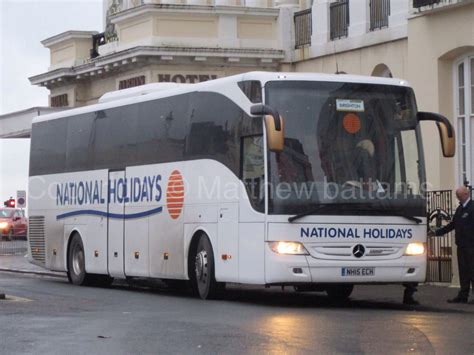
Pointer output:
185, 78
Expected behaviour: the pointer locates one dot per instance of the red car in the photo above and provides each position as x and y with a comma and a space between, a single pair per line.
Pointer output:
13, 223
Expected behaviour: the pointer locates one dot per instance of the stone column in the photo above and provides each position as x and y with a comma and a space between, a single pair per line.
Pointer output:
320, 12
358, 17
256, 3
286, 30
196, 2
279, 3
227, 35
399, 11
225, 2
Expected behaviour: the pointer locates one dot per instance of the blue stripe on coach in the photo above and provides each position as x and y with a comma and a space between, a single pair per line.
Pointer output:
110, 215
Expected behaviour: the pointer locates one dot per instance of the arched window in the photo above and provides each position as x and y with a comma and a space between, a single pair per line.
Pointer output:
382, 70
464, 113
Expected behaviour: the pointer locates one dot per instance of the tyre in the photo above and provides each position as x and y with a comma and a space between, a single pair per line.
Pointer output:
340, 292
202, 274
76, 263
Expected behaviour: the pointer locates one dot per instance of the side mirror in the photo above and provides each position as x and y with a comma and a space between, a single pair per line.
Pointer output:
275, 137
445, 129
274, 125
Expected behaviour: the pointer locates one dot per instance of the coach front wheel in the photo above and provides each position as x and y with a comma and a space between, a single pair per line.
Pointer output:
203, 279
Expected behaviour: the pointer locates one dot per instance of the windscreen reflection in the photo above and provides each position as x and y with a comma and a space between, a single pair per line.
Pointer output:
346, 144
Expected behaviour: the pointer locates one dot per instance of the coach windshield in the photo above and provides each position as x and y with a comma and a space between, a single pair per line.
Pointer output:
352, 146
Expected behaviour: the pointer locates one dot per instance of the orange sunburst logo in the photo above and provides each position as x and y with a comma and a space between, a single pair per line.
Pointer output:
175, 194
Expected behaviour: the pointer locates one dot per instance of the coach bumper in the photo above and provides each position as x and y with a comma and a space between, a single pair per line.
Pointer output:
295, 269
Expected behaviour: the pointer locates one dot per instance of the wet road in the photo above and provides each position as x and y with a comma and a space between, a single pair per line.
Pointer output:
47, 315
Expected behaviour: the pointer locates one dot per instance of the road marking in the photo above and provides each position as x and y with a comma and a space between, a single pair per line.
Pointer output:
16, 299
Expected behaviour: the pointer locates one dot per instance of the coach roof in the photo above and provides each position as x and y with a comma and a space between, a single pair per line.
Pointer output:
222, 86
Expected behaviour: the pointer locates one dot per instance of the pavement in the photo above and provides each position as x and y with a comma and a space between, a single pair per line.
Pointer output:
15, 247
20, 264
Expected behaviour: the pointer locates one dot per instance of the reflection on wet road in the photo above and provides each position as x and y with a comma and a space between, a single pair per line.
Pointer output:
142, 319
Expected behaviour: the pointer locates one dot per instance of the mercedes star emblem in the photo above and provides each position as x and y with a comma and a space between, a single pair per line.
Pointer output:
358, 251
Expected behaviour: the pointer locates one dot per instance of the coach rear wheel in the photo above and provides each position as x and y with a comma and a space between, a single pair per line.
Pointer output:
76, 263
203, 279
339, 292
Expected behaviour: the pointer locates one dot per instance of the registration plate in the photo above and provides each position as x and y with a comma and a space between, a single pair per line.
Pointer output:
357, 271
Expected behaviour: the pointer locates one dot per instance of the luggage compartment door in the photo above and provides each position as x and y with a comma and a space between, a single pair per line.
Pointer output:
115, 225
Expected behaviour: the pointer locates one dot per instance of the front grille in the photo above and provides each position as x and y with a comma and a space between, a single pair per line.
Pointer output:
36, 238
343, 251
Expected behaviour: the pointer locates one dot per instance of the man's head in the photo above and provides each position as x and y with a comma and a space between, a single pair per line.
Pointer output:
368, 146
463, 194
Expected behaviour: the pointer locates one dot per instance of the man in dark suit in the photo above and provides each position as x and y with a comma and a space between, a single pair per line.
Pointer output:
463, 225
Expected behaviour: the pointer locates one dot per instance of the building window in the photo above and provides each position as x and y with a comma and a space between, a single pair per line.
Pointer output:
303, 28
379, 13
464, 112
59, 101
339, 19
132, 82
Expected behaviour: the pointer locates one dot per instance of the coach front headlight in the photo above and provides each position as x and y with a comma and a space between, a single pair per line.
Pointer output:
3, 225
288, 248
414, 249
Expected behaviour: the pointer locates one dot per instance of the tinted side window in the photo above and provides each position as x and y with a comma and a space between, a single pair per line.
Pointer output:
252, 89
48, 147
185, 127
161, 130
214, 130
80, 140
114, 137
253, 170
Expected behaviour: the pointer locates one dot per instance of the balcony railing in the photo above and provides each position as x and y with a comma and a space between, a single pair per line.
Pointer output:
420, 3
379, 13
303, 28
339, 19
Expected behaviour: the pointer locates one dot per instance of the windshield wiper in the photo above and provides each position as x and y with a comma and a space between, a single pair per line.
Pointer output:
407, 216
314, 210
398, 213
358, 208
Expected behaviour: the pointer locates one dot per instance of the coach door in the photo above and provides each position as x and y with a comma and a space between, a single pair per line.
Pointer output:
115, 230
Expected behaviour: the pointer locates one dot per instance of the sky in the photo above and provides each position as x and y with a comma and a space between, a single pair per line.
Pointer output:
14, 155
23, 25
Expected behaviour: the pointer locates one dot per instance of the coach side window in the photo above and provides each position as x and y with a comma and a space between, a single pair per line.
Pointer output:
161, 130
252, 89
79, 142
253, 170
114, 137
214, 131
48, 147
